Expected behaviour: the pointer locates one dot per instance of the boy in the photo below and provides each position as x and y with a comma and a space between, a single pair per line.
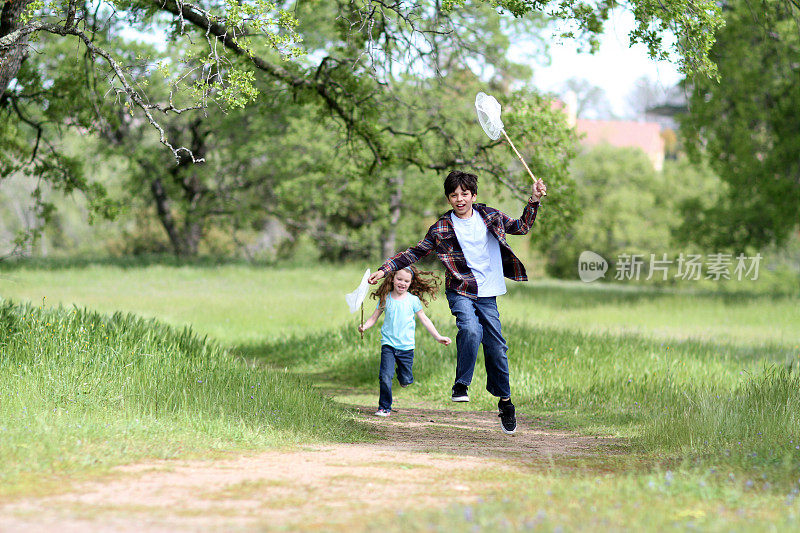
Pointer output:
470, 241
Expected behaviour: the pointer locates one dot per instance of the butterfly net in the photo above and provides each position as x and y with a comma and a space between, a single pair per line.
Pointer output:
489, 115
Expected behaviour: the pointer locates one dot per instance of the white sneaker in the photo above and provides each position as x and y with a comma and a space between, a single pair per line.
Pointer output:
382, 412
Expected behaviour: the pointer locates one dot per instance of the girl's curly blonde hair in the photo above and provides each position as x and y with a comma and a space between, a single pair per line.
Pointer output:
424, 285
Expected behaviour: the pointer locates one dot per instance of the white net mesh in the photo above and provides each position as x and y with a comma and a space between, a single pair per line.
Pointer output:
489, 115
355, 298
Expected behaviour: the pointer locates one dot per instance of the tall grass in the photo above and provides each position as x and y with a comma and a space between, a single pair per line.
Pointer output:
753, 425
79, 388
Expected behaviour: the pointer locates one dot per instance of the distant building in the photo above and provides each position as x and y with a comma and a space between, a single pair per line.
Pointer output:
621, 133
625, 133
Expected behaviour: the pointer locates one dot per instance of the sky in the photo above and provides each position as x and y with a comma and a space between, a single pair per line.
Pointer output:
614, 68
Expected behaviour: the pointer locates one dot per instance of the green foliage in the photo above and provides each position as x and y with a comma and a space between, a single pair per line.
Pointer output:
283, 159
626, 207
53, 96
386, 108
262, 17
541, 133
240, 90
629, 208
695, 22
56, 89
747, 127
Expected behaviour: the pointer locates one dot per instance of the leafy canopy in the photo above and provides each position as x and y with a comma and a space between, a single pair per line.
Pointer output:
748, 128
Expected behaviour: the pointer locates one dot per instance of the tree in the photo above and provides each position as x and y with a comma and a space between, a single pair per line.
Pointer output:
625, 208
364, 59
250, 155
748, 129
244, 37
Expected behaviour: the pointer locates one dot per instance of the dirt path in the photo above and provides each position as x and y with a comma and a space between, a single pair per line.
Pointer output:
425, 458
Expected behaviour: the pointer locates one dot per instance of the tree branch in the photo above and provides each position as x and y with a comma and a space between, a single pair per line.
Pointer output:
127, 88
202, 19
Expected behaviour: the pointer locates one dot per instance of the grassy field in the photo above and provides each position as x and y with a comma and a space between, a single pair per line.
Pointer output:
237, 304
703, 386
83, 391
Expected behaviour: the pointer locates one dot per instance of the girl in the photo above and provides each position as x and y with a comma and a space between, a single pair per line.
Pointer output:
408, 287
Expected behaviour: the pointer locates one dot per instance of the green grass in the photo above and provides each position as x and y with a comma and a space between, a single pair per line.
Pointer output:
702, 384
238, 304
689, 399
230, 303
555, 497
84, 390
749, 318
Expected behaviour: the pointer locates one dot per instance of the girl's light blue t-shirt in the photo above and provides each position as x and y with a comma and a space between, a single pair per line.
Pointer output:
398, 321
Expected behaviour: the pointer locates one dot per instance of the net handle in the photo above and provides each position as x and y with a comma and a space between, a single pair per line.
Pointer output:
521, 159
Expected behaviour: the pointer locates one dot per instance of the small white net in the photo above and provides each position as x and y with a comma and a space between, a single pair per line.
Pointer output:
489, 115
355, 298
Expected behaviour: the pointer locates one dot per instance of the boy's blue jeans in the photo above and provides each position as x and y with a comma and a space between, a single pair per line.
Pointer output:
478, 321
390, 357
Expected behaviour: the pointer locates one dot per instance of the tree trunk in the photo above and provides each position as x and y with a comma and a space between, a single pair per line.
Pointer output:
184, 238
165, 216
192, 233
395, 210
11, 58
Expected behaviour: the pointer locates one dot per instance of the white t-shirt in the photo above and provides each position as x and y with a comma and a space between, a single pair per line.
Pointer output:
482, 252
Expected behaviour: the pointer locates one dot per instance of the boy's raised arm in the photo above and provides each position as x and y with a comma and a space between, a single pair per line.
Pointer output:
522, 225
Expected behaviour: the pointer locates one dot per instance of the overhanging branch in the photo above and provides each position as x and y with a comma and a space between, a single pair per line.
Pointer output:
203, 20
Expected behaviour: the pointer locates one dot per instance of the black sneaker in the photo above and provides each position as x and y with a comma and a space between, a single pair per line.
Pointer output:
460, 393
508, 417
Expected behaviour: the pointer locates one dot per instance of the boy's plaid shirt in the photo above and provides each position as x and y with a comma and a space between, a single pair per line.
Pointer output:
441, 238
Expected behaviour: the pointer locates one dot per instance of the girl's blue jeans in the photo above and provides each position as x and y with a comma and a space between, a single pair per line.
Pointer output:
391, 357
478, 322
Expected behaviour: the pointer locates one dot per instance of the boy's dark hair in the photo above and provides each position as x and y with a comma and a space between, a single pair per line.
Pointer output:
456, 178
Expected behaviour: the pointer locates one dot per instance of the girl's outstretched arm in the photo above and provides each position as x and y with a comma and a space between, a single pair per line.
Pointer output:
370, 321
432, 329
